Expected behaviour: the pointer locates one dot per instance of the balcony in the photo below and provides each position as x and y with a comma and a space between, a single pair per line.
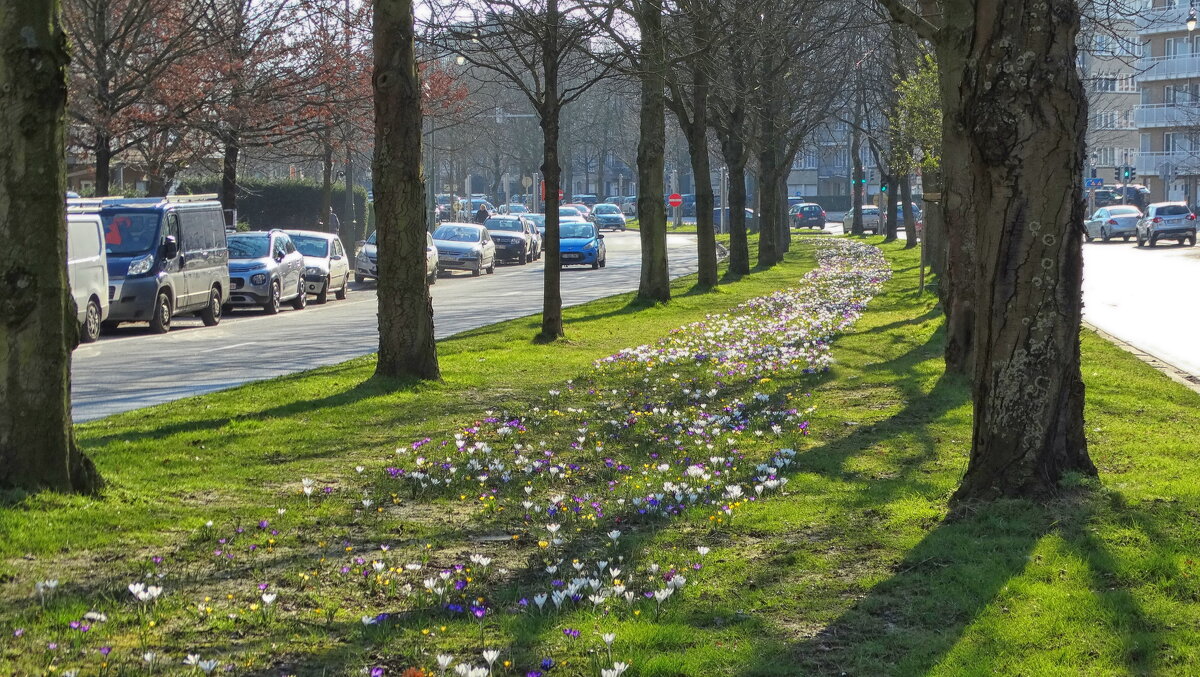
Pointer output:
1167, 115
1178, 163
1168, 67
1161, 20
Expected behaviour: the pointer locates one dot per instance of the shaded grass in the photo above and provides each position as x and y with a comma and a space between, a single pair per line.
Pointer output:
854, 570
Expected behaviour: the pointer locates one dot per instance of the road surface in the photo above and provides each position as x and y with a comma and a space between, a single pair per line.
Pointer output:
131, 368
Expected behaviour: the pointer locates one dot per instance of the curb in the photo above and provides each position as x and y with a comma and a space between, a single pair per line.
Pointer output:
1172, 372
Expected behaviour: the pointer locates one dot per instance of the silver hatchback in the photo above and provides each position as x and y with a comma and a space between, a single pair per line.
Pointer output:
1167, 221
1113, 221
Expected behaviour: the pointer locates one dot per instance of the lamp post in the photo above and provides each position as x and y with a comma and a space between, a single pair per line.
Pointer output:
1191, 20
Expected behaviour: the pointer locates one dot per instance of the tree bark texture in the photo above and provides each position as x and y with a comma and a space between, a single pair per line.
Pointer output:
739, 245
37, 316
229, 186
1025, 114
892, 230
856, 189
552, 320
103, 153
768, 233
406, 343
655, 283
326, 184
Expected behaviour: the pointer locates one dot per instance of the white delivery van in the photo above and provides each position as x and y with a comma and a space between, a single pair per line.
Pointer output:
87, 272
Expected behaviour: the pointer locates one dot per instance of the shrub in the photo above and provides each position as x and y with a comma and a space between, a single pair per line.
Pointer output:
283, 204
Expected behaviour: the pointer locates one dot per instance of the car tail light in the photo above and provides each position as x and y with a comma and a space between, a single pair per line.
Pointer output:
1191, 217
1112, 222
1157, 219
822, 214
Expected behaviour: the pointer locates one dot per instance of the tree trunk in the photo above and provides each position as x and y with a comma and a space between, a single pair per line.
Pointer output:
857, 185
892, 229
38, 326
1025, 120
768, 202
103, 151
696, 131
323, 220
910, 222
229, 186
350, 223
406, 343
655, 284
784, 240
552, 321
739, 244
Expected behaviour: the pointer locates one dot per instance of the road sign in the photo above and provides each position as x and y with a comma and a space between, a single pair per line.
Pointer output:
560, 192
526, 181
1093, 182
675, 199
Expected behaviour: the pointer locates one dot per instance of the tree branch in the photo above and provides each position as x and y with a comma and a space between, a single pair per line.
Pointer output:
904, 15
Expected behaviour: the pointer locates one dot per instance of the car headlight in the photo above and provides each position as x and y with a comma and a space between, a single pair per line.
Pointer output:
590, 245
313, 270
141, 265
258, 279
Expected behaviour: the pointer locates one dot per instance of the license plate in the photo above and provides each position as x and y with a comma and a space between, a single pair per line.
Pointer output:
572, 257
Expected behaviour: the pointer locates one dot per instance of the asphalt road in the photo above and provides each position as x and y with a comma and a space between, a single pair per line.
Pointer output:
131, 368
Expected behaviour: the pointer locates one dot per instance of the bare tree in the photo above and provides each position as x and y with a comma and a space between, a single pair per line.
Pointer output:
37, 319
1012, 150
543, 48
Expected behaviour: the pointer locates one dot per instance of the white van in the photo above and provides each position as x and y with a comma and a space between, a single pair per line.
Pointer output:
87, 272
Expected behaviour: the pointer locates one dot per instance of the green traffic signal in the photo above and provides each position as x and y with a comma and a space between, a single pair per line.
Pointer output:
883, 188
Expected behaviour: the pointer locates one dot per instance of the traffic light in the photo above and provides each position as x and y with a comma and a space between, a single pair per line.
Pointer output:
1132, 174
1116, 175
1125, 172
883, 187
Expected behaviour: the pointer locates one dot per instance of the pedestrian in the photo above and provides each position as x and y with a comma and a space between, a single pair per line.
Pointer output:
457, 209
335, 224
481, 215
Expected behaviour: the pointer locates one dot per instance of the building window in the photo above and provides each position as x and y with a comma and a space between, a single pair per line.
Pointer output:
1126, 83
1104, 83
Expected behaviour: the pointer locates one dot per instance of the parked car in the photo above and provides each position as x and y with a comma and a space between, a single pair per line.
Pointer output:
166, 257
513, 208
513, 239
1167, 220
581, 244
1130, 194
807, 215
465, 246
584, 210
586, 199
87, 273
266, 270
1113, 221
366, 266
871, 220
608, 216
751, 223
326, 266
629, 205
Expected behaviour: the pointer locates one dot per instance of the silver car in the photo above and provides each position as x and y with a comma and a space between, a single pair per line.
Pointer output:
1167, 220
366, 266
326, 267
871, 220
465, 246
1114, 221
266, 270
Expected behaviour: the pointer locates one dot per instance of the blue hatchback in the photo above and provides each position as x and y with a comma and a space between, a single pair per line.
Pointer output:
580, 244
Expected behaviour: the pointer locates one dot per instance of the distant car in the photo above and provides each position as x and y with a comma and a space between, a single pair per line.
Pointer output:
607, 215
629, 205
266, 270
1112, 221
581, 244
587, 199
513, 208
87, 273
326, 267
1167, 220
807, 215
570, 210
871, 220
465, 246
513, 239
366, 266
584, 210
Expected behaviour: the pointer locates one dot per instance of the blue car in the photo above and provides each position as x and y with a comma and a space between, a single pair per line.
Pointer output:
580, 244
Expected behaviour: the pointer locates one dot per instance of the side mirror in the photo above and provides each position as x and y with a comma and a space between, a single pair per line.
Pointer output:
600, 235
336, 257
170, 247
278, 256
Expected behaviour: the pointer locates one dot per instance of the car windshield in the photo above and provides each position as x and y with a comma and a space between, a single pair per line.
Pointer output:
127, 233
504, 224
568, 211
311, 246
607, 209
572, 230
870, 210
1124, 211
248, 246
517, 209
371, 240
1173, 210
456, 234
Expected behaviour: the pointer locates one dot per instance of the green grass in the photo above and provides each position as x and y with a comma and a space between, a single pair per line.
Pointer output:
854, 569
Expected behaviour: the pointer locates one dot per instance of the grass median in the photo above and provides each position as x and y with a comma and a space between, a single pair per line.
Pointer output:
850, 567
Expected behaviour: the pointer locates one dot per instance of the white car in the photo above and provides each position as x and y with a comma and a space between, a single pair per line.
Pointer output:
326, 268
871, 220
366, 267
87, 273
1167, 221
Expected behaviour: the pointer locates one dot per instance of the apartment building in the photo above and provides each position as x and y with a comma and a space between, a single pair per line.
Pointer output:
1108, 65
1168, 115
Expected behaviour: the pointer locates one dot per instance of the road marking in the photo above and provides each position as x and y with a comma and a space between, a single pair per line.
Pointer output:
236, 345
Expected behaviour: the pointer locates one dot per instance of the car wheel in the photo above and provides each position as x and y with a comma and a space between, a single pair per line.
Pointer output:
1125, 237
90, 331
478, 270
1087, 237
1140, 241
301, 299
323, 295
1153, 241
359, 278
432, 278
596, 264
271, 307
1191, 240
1104, 235
211, 315
491, 270
523, 258
341, 292
604, 261
160, 321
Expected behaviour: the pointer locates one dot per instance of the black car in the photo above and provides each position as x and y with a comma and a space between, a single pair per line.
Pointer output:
807, 215
514, 241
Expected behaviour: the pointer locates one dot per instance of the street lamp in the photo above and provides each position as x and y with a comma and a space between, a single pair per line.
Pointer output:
1191, 20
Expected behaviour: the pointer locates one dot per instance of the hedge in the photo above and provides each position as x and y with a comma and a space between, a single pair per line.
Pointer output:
283, 204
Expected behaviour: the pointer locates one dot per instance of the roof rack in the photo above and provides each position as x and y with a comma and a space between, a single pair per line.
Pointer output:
200, 197
95, 203
78, 205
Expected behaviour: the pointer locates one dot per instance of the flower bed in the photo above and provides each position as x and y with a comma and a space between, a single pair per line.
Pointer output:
553, 504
